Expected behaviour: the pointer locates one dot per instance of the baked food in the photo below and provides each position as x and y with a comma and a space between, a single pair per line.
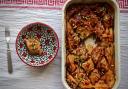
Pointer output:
33, 46
90, 66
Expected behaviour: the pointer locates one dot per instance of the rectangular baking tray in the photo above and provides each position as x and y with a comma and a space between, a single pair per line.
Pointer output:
114, 4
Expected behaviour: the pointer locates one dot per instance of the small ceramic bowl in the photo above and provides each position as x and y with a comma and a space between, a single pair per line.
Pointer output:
48, 40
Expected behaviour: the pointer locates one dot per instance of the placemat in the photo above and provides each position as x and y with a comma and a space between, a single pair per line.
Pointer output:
18, 13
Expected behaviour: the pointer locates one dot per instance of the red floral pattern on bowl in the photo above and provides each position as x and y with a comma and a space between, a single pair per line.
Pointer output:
49, 46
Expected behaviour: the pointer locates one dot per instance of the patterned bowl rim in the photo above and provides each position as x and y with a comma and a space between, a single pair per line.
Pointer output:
57, 40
